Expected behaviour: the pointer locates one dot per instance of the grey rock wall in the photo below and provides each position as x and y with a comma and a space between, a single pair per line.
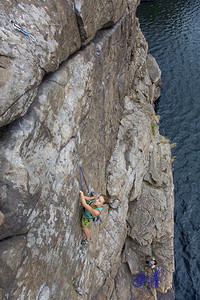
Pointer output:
23, 62
97, 104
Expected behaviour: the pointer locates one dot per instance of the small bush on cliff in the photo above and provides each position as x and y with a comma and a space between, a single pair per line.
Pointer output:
153, 127
154, 124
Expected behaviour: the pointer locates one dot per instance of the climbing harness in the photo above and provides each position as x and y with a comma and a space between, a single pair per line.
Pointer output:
146, 279
96, 219
23, 31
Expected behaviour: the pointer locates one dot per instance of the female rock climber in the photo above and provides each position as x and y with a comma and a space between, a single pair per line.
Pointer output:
92, 208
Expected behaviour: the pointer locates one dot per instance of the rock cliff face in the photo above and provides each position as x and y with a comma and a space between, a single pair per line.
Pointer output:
85, 87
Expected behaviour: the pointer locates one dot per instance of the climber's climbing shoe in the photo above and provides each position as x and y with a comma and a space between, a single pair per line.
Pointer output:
84, 242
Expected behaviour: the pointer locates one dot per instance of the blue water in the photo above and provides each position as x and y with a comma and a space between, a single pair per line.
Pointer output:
172, 30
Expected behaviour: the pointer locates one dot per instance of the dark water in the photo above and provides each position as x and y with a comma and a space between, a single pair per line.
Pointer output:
172, 29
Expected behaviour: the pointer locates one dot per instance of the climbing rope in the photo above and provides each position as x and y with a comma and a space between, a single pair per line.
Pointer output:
149, 280
100, 221
23, 31
82, 175
139, 279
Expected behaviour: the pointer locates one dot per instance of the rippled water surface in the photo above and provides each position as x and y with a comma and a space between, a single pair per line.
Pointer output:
172, 29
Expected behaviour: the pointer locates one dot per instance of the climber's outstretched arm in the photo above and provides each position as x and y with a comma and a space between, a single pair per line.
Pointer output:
94, 212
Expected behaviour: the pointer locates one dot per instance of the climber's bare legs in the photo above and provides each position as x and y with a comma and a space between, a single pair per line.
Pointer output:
87, 232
